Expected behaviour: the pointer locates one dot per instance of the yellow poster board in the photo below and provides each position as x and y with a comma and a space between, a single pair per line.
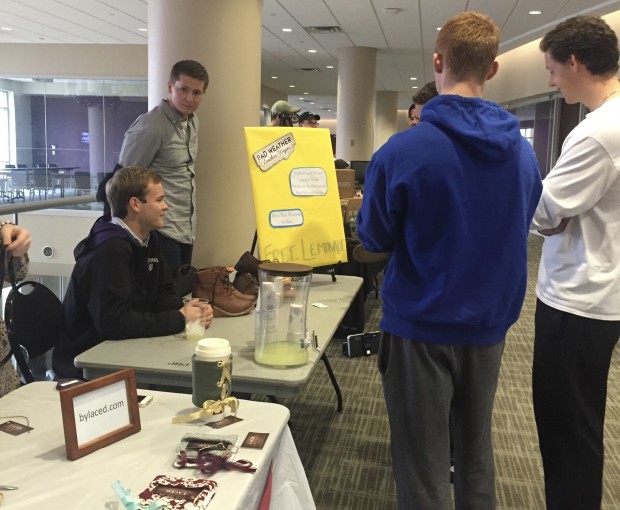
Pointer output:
296, 200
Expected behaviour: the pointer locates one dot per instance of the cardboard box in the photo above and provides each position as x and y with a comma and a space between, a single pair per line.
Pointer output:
352, 206
346, 182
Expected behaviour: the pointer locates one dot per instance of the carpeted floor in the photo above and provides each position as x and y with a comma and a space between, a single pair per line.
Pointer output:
346, 455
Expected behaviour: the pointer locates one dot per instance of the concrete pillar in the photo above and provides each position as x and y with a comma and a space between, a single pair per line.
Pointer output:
95, 138
356, 103
385, 116
226, 38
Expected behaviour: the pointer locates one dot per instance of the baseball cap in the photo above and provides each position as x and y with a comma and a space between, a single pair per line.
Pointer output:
284, 107
308, 116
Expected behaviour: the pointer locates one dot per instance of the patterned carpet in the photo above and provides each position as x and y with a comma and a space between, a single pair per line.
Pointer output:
346, 455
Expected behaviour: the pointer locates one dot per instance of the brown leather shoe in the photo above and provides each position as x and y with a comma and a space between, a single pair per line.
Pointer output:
248, 263
246, 283
214, 284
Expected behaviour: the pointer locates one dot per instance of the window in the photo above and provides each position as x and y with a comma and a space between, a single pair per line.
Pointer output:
5, 129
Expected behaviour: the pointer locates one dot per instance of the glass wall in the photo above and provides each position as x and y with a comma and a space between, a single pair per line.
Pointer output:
545, 122
64, 133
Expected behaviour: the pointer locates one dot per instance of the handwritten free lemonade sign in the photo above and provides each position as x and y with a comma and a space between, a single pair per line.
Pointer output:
296, 200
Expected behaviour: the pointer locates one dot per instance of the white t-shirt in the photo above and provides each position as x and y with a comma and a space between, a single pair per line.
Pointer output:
580, 268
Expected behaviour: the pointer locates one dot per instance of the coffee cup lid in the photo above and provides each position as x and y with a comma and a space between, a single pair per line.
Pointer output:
212, 348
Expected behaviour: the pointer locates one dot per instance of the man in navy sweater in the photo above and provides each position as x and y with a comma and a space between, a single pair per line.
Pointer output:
452, 201
121, 286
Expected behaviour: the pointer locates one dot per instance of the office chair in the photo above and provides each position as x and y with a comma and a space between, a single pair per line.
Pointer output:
32, 315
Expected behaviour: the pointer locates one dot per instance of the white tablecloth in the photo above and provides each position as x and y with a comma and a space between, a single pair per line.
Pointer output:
36, 461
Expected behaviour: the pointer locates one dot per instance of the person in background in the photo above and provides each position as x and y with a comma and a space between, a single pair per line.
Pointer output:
284, 114
420, 98
15, 244
577, 321
121, 286
410, 116
166, 140
435, 197
308, 119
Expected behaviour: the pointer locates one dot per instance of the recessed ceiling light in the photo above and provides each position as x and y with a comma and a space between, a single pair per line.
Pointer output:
143, 29
535, 12
311, 51
306, 93
414, 87
438, 29
292, 86
312, 102
274, 77
287, 30
413, 78
7, 29
329, 67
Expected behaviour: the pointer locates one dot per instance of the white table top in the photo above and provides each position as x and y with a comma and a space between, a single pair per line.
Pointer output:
167, 360
36, 461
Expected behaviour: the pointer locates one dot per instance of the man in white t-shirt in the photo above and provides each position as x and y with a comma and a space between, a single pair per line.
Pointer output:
578, 310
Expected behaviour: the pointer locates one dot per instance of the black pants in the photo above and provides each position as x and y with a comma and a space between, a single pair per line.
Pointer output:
572, 355
177, 254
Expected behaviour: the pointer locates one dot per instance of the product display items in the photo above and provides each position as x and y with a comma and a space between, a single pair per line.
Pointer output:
211, 381
246, 284
169, 493
246, 278
213, 283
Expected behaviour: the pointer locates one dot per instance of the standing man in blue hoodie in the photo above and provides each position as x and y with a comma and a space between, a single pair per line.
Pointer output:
121, 286
452, 200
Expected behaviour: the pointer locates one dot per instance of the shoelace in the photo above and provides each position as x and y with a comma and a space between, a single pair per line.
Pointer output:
209, 463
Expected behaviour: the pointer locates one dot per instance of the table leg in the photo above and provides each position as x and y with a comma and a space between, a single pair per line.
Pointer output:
332, 377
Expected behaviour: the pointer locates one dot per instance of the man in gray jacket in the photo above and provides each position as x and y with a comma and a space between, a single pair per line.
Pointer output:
166, 140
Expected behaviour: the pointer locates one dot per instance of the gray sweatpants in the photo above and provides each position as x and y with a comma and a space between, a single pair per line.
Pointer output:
433, 392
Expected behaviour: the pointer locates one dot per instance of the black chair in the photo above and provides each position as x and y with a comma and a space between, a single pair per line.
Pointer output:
42, 180
185, 279
32, 315
20, 183
82, 182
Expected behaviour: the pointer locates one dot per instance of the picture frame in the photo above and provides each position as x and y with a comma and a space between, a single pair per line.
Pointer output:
106, 409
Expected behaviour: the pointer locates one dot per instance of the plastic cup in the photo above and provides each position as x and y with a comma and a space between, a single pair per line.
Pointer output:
195, 330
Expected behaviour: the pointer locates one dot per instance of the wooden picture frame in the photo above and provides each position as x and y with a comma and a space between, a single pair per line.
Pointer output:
109, 435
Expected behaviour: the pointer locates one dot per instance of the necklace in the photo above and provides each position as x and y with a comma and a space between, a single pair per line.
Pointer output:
607, 97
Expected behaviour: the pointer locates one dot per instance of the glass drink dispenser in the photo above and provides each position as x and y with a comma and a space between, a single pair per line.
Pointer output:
280, 329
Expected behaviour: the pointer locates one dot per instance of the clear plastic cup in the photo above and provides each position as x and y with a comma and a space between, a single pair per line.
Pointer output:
195, 330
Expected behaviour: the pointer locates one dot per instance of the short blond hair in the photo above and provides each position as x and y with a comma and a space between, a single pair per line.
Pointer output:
469, 43
126, 183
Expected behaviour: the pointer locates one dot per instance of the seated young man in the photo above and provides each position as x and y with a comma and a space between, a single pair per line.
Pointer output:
121, 286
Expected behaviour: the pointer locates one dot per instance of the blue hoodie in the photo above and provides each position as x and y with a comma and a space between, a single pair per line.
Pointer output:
452, 199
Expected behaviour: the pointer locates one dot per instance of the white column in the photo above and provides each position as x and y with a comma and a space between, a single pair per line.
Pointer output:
356, 103
95, 138
225, 37
385, 117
